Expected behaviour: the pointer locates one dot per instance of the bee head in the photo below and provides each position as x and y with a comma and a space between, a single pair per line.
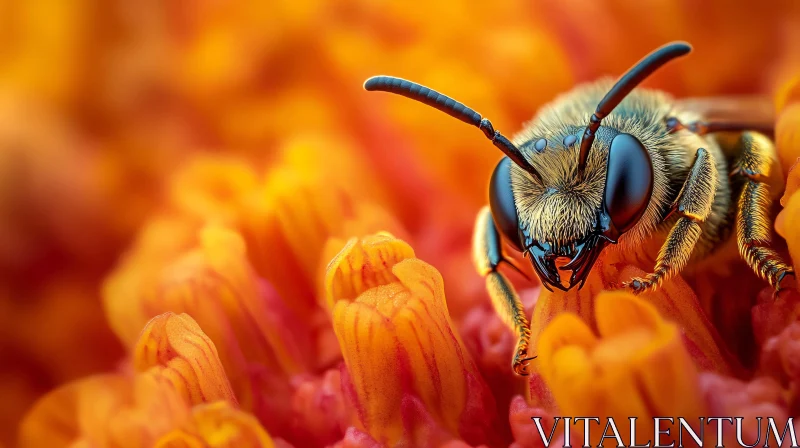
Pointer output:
564, 220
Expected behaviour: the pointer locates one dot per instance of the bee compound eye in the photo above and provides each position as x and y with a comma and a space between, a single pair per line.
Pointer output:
629, 181
501, 202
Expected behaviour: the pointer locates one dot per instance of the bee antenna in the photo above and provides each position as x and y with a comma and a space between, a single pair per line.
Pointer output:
453, 108
632, 78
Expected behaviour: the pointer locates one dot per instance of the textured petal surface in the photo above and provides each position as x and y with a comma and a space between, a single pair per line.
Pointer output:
174, 346
401, 349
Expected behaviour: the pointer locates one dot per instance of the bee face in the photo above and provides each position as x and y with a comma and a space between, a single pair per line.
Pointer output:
557, 222
566, 219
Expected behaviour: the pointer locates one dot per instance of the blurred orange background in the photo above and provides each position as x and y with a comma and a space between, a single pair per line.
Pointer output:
103, 104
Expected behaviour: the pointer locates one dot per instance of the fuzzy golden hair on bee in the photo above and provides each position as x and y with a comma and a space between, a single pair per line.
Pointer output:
562, 207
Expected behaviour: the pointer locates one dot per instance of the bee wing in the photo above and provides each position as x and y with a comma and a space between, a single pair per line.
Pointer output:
753, 112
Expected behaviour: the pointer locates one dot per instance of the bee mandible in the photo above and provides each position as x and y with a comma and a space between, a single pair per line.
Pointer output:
609, 165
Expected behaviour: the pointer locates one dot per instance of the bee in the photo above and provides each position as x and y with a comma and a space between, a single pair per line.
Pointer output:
610, 165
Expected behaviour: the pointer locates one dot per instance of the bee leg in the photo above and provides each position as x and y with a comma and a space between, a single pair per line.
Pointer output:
753, 223
487, 255
693, 206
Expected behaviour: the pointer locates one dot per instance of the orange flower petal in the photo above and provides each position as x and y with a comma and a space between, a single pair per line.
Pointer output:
787, 135
362, 264
363, 334
792, 185
787, 94
552, 304
580, 302
225, 253
791, 214
437, 350
674, 300
637, 367
621, 314
218, 425
400, 346
176, 347
792, 182
567, 336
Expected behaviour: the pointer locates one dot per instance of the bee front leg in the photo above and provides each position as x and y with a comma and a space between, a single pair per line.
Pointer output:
693, 206
753, 223
487, 255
